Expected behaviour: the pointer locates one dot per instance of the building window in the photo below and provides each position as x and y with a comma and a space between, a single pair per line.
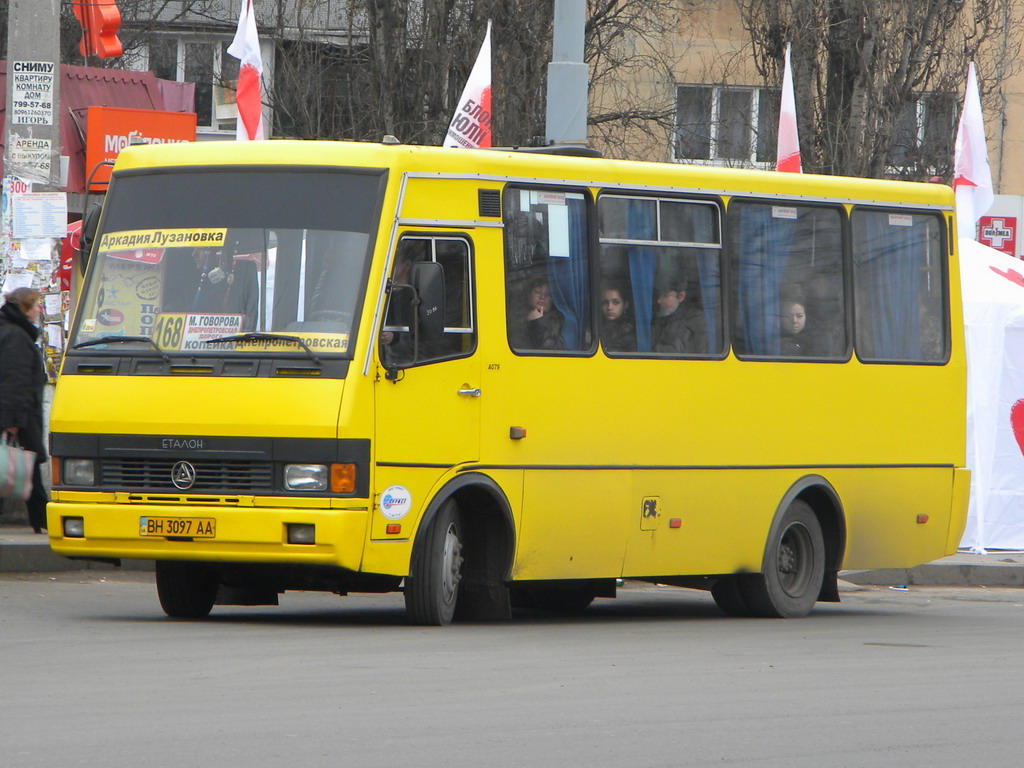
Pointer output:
726, 124
922, 143
205, 63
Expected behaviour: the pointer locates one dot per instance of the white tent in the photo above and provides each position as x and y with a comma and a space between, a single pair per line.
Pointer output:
993, 301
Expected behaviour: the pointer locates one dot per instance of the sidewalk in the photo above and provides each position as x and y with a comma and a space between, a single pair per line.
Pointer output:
22, 551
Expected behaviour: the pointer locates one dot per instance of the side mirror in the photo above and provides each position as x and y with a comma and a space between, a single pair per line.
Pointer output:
428, 280
89, 226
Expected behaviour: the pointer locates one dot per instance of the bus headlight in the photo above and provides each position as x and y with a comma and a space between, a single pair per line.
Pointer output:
305, 477
79, 471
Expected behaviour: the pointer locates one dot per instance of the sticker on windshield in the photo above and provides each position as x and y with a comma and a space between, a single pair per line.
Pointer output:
395, 502
317, 342
193, 332
139, 240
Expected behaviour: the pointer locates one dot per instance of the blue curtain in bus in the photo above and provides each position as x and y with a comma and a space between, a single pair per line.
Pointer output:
709, 275
764, 244
643, 264
710, 291
889, 285
568, 278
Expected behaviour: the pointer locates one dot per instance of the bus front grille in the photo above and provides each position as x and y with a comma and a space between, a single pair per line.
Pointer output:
231, 476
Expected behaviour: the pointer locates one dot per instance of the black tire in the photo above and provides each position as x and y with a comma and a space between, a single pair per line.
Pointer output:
794, 566
432, 586
186, 590
729, 596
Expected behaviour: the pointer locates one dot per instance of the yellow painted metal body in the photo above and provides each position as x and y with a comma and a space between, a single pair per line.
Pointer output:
717, 444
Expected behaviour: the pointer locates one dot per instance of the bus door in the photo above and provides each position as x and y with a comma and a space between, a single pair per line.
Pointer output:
428, 403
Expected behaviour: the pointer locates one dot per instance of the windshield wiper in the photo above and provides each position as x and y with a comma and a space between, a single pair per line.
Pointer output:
123, 340
260, 336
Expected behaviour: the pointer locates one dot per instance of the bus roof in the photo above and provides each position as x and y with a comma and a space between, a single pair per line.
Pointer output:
533, 166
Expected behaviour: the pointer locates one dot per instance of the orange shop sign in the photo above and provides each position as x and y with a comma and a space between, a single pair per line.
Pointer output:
108, 130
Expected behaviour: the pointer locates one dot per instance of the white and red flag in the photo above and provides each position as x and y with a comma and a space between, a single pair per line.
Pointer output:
471, 125
787, 155
972, 177
246, 48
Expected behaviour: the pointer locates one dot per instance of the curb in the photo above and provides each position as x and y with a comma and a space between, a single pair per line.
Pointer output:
940, 574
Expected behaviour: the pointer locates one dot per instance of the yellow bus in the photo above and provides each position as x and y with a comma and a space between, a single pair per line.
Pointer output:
496, 379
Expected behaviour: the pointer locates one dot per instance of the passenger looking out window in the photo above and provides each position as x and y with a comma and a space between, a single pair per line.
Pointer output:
539, 323
618, 331
678, 326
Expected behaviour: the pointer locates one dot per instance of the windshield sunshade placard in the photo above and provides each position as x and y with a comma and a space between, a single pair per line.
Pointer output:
318, 342
161, 238
193, 332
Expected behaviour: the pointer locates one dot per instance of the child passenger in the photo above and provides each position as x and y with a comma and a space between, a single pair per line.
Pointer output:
540, 325
796, 339
678, 326
618, 333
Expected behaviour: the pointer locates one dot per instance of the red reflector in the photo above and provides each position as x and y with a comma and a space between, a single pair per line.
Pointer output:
394, 528
675, 522
922, 519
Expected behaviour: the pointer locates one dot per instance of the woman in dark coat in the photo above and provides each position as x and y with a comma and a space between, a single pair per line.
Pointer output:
22, 377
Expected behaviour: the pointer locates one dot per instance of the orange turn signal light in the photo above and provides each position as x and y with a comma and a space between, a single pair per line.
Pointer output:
921, 519
343, 478
394, 528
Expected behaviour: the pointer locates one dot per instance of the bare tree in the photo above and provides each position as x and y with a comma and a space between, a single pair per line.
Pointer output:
633, 50
364, 68
877, 83
415, 57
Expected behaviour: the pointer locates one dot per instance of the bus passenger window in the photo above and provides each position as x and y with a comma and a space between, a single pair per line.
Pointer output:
666, 255
547, 271
787, 281
900, 286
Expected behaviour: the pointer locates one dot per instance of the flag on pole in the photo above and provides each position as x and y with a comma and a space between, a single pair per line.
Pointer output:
972, 177
787, 155
471, 125
246, 48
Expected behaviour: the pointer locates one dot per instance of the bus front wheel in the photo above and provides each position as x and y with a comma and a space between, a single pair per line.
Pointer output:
432, 586
794, 567
186, 590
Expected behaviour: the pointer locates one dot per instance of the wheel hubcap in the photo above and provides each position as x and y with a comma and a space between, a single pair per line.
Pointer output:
795, 560
451, 573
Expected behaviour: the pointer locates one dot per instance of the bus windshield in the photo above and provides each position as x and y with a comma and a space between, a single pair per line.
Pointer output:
233, 254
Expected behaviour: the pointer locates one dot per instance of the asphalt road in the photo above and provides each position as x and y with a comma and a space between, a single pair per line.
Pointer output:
92, 674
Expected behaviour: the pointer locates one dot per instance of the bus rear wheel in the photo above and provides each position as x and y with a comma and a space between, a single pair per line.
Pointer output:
186, 590
794, 567
432, 586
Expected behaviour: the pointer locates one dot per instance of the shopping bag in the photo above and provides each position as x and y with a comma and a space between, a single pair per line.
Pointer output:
16, 465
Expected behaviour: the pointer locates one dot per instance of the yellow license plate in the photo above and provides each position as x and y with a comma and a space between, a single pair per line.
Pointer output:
192, 527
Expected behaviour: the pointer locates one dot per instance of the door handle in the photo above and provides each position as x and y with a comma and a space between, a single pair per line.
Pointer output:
470, 392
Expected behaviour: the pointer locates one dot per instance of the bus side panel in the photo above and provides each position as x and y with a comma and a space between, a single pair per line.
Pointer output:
700, 521
574, 524
883, 506
958, 509
723, 517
